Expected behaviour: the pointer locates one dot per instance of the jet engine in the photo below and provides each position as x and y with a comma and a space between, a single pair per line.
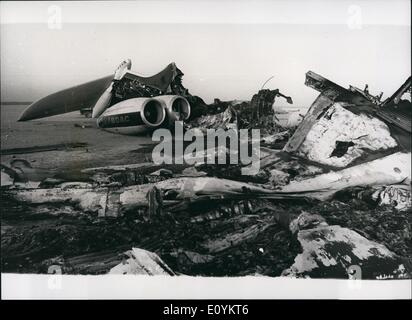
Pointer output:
177, 109
133, 116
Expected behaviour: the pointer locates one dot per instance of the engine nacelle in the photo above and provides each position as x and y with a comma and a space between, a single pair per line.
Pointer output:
177, 108
133, 116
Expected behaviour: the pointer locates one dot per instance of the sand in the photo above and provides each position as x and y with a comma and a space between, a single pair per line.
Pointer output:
99, 148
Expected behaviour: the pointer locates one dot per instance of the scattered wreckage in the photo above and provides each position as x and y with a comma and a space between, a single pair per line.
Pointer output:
349, 145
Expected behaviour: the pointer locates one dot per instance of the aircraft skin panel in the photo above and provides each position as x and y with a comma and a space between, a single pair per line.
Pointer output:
121, 120
67, 100
126, 106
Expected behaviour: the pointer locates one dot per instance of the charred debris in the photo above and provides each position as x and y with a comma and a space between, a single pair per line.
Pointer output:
333, 191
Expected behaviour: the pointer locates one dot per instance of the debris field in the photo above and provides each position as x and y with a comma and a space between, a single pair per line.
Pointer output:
333, 191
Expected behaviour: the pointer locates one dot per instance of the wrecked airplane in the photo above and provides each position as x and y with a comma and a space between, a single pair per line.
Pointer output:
325, 178
125, 103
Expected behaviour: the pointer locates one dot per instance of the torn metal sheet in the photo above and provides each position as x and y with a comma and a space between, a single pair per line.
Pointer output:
288, 117
392, 169
358, 103
330, 251
396, 111
142, 262
107, 201
397, 196
236, 238
224, 120
277, 140
306, 220
185, 256
337, 93
362, 133
318, 107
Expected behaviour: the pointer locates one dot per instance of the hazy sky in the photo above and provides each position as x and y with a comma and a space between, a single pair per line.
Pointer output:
225, 49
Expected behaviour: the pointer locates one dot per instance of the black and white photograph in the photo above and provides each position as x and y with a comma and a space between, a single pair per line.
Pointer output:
262, 148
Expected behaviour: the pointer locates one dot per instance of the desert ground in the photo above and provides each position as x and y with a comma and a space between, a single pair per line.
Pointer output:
98, 148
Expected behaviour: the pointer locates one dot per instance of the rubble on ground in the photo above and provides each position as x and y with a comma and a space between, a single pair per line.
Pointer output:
257, 113
329, 251
331, 193
277, 140
224, 120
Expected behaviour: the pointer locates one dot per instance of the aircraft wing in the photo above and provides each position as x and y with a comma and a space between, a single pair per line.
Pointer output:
67, 100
